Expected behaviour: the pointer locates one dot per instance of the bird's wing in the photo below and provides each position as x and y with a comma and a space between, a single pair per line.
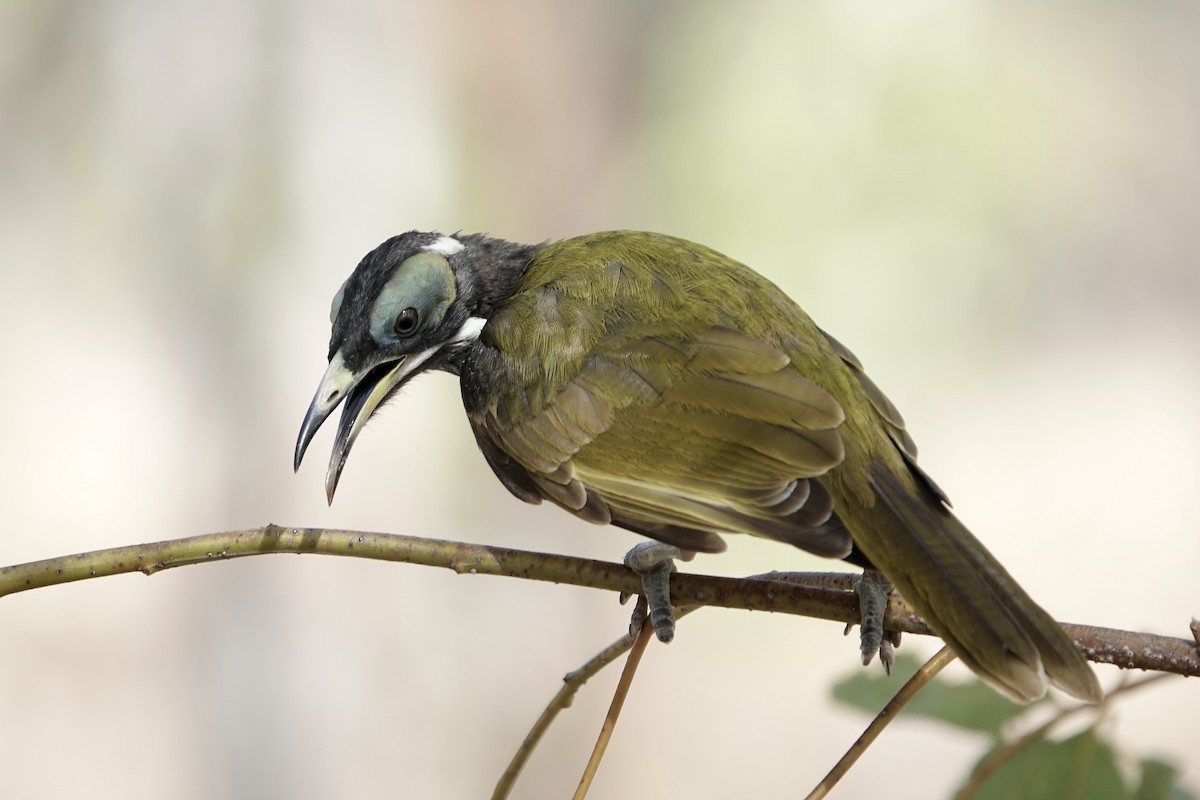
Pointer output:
679, 439
889, 416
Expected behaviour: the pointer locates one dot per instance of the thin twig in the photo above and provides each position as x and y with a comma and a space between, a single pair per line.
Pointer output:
614, 710
906, 693
1125, 649
572, 683
463, 558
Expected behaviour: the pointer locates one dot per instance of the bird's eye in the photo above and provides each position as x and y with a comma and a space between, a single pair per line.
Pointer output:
406, 322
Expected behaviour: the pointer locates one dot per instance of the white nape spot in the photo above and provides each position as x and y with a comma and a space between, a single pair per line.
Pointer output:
447, 246
469, 331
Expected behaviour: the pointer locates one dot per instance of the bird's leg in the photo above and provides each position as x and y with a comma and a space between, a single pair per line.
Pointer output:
654, 562
873, 590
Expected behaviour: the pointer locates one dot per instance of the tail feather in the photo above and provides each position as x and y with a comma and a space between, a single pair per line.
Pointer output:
964, 593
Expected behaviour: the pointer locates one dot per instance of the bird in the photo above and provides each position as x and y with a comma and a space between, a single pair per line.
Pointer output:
644, 381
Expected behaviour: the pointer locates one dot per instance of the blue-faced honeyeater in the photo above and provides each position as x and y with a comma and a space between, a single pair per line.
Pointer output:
644, 381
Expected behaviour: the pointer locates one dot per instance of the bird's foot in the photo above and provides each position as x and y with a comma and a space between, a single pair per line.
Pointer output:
653, 562
873, 590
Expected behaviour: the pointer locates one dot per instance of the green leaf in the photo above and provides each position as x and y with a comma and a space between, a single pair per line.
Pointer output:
1079, 768
1160, 782
869, 690
973, 706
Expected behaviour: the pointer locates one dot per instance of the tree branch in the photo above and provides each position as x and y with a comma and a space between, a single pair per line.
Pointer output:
821, 595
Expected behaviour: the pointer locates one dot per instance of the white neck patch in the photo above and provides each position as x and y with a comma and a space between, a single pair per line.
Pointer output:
447, 246
469, 331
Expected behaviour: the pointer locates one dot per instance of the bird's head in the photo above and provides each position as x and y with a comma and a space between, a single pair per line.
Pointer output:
413, 304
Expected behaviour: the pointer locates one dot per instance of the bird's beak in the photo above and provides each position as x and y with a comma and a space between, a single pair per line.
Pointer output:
363, 392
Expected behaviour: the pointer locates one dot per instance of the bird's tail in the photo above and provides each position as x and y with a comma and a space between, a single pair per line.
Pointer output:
968, 598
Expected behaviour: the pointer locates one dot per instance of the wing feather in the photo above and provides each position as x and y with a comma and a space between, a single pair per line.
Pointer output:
892, 420
681, 440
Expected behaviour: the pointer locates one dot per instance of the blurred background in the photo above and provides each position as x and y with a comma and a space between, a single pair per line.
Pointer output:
995, 205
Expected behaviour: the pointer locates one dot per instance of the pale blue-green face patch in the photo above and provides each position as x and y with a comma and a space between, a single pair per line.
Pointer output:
337, 302
423, 283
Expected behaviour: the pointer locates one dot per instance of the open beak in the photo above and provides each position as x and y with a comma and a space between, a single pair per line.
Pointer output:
363, 392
